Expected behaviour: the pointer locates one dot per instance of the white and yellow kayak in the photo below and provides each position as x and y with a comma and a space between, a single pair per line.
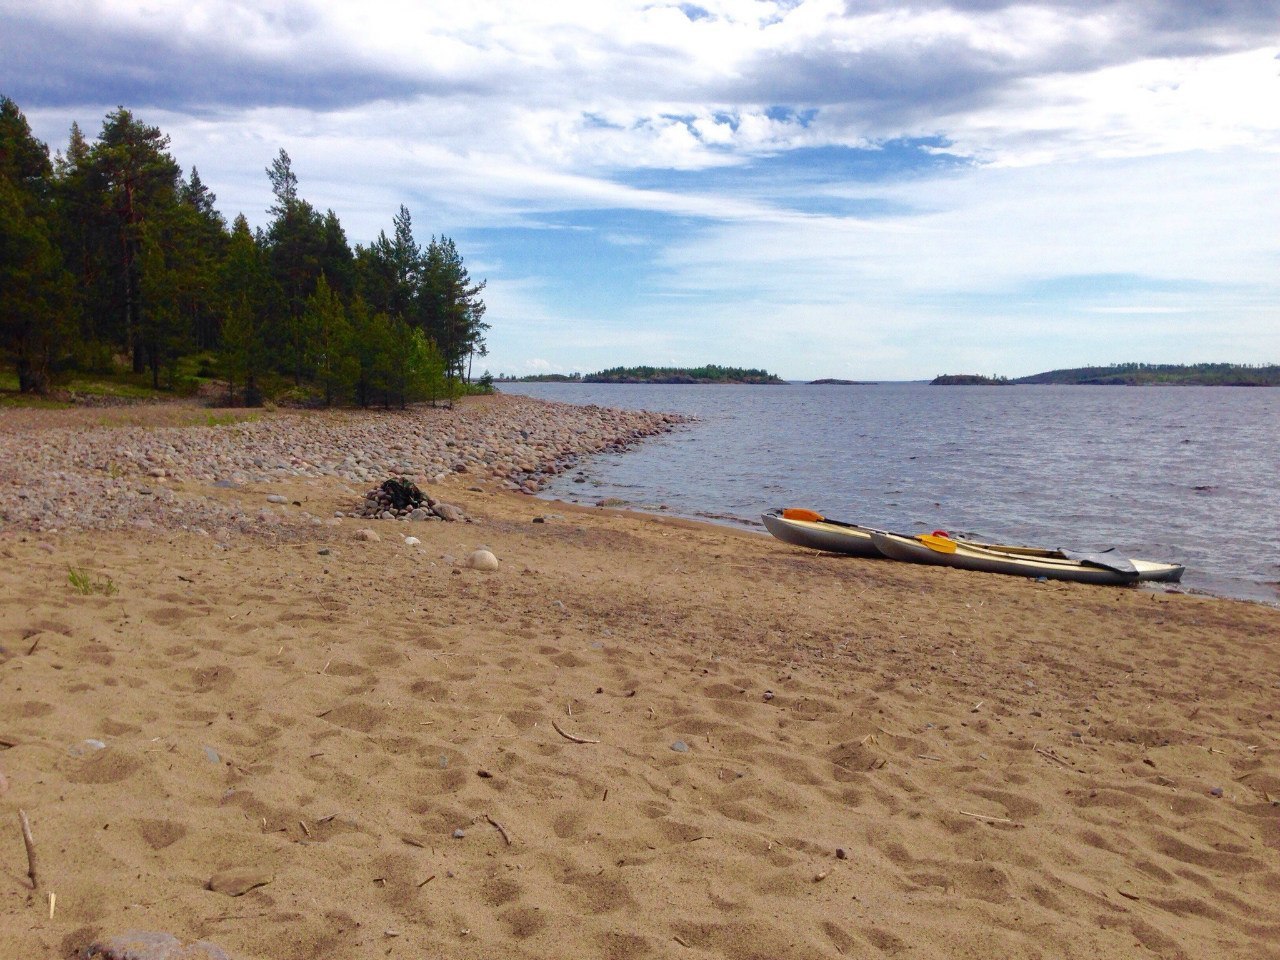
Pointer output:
805, 528
1103, 567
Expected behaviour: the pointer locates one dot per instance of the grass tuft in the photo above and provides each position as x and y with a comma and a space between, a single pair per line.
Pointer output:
83, 584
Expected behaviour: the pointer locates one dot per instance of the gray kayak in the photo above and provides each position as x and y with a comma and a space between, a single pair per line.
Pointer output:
821, 534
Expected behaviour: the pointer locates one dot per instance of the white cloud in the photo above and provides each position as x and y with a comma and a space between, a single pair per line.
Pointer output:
1113, 138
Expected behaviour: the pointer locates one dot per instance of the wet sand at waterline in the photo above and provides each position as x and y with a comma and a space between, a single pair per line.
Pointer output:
638, 737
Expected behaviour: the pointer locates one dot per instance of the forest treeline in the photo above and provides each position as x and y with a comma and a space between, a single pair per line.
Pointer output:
1140, 374
110, 257
1136, 375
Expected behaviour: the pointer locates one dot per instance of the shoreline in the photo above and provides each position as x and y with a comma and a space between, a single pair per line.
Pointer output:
641, 736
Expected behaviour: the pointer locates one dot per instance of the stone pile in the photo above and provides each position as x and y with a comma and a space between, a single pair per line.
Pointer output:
400, 499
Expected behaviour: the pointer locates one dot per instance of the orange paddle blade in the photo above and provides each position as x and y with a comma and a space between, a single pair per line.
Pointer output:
799, 513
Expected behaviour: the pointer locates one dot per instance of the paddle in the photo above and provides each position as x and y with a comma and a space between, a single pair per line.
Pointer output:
812, 516
940, 544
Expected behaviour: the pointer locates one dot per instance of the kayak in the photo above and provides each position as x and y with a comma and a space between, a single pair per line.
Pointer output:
804, 528
1103, 567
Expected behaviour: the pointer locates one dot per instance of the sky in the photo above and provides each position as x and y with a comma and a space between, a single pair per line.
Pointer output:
862, 190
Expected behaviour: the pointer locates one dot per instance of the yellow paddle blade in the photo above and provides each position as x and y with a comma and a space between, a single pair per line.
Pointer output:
799, 513
941, 544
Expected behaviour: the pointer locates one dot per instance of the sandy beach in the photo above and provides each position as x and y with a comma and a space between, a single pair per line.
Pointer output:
640, 736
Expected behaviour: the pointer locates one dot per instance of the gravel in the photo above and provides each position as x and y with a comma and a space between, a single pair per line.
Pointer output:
108, 477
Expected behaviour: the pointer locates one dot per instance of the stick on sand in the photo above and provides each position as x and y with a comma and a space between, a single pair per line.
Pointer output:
31, 849
500, 828
570, 736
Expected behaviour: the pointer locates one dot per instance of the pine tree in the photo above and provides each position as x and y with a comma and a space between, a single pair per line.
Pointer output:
329, 346
205, 231
139, 181
296, 242
245, 286
451, 307
35, 290
371, 348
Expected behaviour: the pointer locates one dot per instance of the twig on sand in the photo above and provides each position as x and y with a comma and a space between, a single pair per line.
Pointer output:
678, 940
30, 843
500, 828
984, 818
570, 736
1054, 757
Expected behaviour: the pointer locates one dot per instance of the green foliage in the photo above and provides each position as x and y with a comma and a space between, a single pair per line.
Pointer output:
415, 369
110, 258
82, 583
708, 374
35, 286
1141, 374
969, 380
547, 378
329, 343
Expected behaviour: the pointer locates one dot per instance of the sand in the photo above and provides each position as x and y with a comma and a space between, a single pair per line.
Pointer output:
639, 737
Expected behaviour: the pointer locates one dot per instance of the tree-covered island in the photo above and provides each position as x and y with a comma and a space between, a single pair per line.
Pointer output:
1137, 375
708, 374
114, 264
1165, 374
968, 380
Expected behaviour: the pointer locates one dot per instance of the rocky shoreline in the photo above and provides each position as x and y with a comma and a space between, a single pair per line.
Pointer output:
65, 472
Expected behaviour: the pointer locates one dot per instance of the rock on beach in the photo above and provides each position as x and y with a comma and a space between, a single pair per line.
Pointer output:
482, 560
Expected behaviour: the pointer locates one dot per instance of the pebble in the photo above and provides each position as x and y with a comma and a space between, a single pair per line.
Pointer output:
411, 541
85, 747
369, 535
768, 695
680, 747
212, 755
459, 834
841, 853
1215, 792
276, 498
517, 440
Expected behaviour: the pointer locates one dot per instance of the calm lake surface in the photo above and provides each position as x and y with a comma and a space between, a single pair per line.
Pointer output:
1189, 474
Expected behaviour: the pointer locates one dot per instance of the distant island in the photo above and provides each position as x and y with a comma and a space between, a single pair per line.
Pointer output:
968, 380
832, 382
1137, 375
542, 378
707, 374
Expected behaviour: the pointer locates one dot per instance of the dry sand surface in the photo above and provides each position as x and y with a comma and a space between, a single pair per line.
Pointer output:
639, 737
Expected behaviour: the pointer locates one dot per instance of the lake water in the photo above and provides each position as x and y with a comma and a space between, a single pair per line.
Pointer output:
1189, 474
